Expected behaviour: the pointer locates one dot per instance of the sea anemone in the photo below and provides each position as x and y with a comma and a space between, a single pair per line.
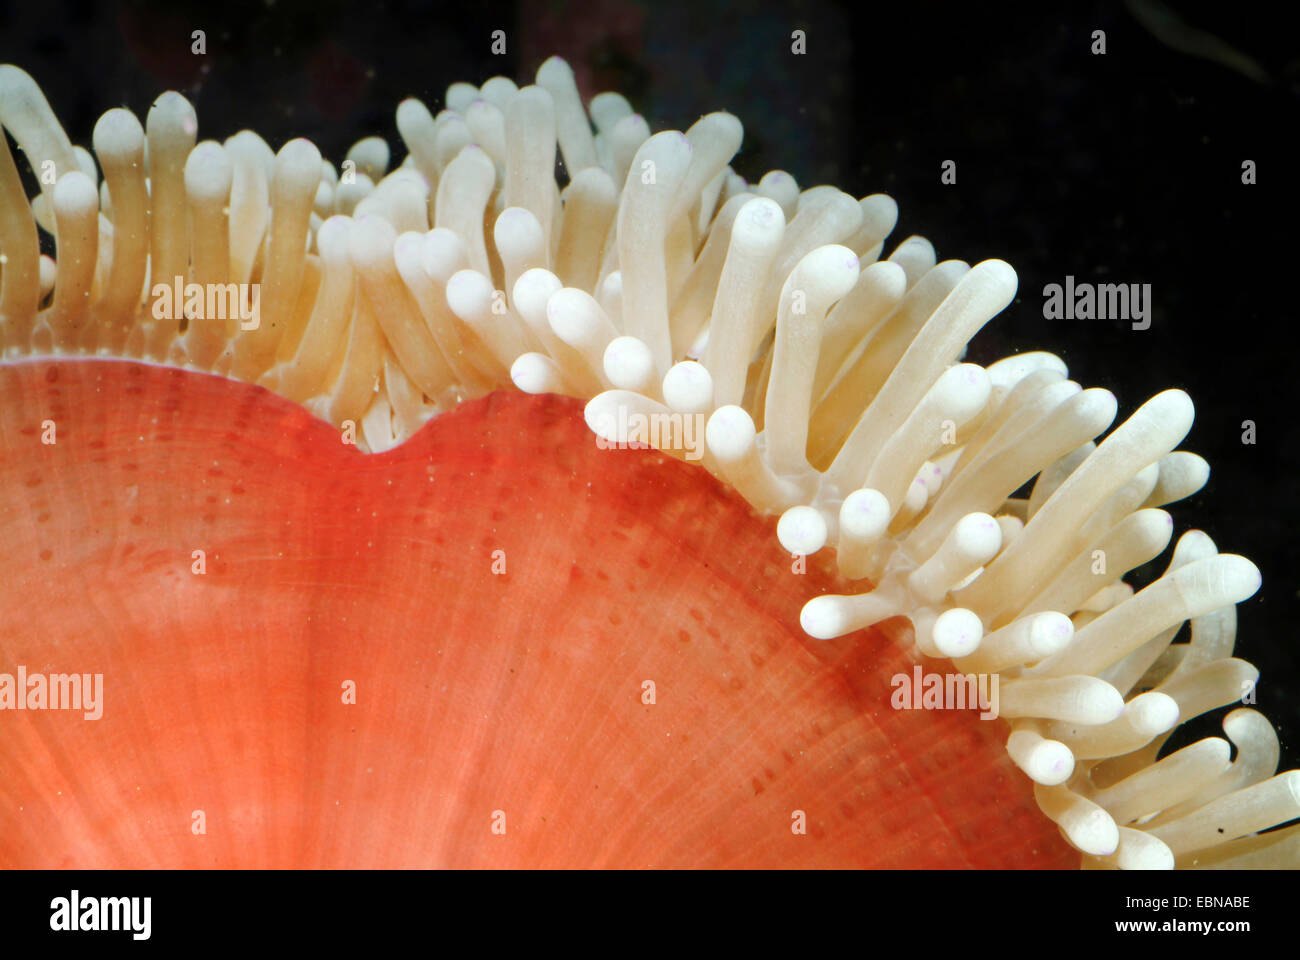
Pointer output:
323, 644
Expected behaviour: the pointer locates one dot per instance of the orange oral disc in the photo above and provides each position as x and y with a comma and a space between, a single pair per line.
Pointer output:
496, 644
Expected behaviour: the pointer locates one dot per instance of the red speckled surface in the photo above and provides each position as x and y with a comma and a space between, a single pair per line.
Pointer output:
476, 692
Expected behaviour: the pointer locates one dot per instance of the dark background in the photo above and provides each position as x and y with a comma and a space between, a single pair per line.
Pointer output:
1117, 168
